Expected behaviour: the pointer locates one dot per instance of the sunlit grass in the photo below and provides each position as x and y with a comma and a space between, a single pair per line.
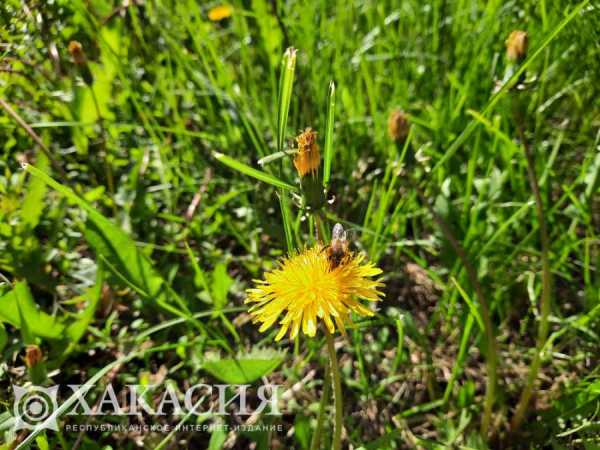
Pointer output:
159, 182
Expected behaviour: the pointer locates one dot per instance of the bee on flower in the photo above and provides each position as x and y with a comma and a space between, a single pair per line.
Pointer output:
321, 283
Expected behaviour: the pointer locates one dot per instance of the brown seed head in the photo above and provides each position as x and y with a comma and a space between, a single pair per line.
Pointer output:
33, 356
308, 156
77, 53
398, 125
516, 45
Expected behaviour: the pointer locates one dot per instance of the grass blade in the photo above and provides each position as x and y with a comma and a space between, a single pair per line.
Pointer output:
287, 220
472, 307
328, 152
252, 172
286, 81
506, 86
118, 251
275, 156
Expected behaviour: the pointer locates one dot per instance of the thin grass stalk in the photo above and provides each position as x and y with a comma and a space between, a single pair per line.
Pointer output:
544, 326
492, 350
337, 393
316, 437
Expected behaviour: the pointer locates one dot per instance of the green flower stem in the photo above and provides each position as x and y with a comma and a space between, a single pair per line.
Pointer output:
319, 228
492, 349
316, 438
337, 393
543, 329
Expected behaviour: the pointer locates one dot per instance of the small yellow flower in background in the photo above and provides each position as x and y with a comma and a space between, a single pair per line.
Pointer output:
308, 157
307, 287
220, 12
516, 45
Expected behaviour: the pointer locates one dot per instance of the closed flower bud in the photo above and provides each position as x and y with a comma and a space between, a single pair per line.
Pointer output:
516, 46
77, 53
308, 156
398, 126
33, 356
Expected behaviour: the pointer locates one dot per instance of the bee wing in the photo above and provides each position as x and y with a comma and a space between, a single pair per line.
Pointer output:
338, 232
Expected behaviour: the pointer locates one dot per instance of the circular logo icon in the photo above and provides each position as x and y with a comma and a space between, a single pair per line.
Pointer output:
34, 406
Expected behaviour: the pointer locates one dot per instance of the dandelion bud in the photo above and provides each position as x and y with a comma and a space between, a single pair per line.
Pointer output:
308, 157
33, 356
307, 161
516, 46
35, 365
398, 126
77, 53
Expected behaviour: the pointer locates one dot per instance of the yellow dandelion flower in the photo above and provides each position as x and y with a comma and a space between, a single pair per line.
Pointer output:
308, 157
307, 287
220, 12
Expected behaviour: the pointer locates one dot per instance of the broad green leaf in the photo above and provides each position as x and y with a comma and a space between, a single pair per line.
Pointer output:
42, 442
252, 172
7, 422
384, 441
117, 248
9, 309
77, 328
243, 369
33, 203
121, 252
200, 278
592, 178
302, 430
3, 337
26, 335
18, 303
217, 438
221, 283
97, 98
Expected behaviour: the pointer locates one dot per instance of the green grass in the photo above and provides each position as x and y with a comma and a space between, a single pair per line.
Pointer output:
138, 224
